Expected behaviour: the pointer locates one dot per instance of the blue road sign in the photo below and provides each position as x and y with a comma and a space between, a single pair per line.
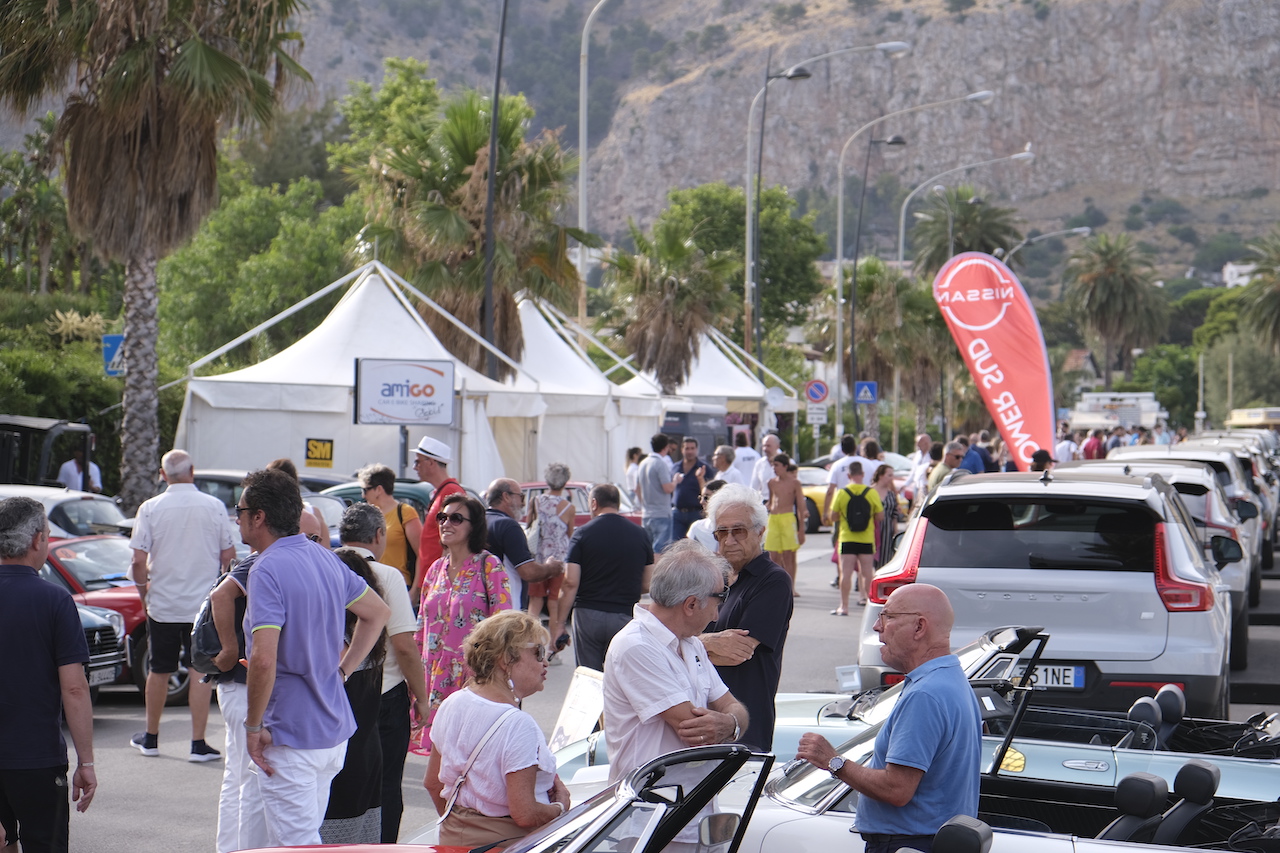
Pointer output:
865, 392
113, 354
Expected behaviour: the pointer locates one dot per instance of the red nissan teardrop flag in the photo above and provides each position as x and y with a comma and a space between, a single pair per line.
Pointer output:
998, 333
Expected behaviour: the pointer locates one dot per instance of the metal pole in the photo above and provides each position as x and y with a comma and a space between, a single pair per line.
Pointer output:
755, 266
853, 294
491, 360
583, 264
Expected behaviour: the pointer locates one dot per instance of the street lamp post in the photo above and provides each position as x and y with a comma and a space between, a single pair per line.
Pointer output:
1007, 257
491, 359
583, 266
1024, 156
892, 49
983, 97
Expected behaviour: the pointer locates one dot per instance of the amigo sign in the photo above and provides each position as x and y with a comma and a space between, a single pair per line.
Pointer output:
998, 333
401, 391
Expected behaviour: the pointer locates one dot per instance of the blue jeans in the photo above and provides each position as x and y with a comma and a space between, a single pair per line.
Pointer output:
680, 521
659, 532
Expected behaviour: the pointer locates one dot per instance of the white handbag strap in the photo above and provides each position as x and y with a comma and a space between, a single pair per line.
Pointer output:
462, 777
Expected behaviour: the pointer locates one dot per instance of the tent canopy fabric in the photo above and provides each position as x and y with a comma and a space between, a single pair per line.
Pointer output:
716, 380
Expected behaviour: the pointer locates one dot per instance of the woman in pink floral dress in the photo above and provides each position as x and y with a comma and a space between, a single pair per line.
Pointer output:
458, 591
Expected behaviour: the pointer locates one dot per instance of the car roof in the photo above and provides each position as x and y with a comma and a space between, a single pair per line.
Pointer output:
1071, 482
47, 495
1182, 469
1158, 451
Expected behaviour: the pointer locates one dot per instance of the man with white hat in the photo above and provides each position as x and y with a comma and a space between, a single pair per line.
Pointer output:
431, 461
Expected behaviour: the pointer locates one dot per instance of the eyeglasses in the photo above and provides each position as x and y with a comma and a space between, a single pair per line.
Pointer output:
539, 651
885, 615
239, 509
721, 595
723, 533
519, 495
366, 489
454, 518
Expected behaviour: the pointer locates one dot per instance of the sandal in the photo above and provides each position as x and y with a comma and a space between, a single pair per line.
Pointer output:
839, 612
562, 642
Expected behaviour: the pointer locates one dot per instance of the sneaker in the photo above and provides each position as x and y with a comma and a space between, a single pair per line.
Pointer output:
146, 744
201, 751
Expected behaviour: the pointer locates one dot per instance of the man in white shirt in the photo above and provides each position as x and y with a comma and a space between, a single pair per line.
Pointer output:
181, 540
661, 691
762, 473
919, 465
1066, 449
744, 457
71, 474
723, 461
838, 476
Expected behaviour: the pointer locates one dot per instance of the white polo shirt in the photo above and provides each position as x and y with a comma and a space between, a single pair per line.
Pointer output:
646, 671
839, 477
402, 620
183, 532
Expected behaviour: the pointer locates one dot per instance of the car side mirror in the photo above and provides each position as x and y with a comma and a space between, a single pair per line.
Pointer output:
1226, 550
1246, 510
717, 829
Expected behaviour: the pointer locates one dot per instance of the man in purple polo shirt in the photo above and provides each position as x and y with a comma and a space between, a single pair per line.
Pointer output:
298, 719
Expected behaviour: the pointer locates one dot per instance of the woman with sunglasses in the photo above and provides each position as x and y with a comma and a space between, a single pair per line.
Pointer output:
491, 775
464, 586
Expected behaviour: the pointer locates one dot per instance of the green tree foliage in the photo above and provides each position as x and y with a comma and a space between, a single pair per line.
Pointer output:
1263, 292
1188, 314
296, 146
1219, 250
1222, 319
1092, 217
1255, 372
400, 111
716, 215
261, 251
1169, 371
971, 227
1060, 325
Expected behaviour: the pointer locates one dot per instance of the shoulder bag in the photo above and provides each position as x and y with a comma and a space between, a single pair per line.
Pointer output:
463, 827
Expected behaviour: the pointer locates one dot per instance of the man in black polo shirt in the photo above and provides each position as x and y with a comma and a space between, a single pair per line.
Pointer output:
745, 642
691, 474
43, 677
506, 540
610, 562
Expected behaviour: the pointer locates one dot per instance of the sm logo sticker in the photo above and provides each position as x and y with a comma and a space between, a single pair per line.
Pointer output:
319, 453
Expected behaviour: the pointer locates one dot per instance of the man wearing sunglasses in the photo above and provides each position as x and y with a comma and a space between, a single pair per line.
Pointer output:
661, 692
507, 540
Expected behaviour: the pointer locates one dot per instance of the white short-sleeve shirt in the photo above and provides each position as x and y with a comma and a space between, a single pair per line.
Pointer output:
463, 719
646, 671
183, 532
838, 476
402, 620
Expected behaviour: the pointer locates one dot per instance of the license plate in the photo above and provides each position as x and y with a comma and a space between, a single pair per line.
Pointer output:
103, 676
1060, 677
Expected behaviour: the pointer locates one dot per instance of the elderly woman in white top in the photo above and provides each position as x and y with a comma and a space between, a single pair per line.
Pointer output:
511, 788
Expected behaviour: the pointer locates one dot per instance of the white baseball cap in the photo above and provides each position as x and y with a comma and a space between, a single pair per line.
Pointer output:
434, 449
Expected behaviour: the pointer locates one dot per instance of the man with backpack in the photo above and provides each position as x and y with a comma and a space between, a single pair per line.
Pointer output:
857, 509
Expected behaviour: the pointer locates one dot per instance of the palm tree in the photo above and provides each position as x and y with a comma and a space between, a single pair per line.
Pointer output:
973, 226
139, 141
667, 293
427, 202
1263, 292
881, 337
928, 350
1110, 284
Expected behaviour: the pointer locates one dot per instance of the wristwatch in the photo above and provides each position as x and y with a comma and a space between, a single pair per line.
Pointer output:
835, 764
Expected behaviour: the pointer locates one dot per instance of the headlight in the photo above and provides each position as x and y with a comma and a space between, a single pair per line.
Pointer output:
117, 623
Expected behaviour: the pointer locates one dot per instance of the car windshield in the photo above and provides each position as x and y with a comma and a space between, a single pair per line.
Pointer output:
330, 507
1021, 533
87, 516
96, 563
812, 476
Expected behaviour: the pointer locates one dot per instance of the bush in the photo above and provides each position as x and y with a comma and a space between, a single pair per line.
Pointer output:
1092, 216
1134, 222
1167, 208
957, 6
1219, 250
1186, 234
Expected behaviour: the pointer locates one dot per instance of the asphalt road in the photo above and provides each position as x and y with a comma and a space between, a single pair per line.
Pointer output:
167, 805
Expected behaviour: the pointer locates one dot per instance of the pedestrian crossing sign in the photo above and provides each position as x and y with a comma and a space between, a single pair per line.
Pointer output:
865, 392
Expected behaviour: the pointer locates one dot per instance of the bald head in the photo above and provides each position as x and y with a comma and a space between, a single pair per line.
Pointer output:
499, 489
915, 626
770, 445
177, 467
931, 603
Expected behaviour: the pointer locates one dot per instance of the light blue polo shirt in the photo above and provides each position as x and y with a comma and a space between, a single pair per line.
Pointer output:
936, 727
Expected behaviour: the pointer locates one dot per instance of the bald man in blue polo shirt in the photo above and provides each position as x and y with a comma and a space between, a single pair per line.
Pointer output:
925, 766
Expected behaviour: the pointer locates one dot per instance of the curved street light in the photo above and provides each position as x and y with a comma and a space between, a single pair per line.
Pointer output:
582, 158
1026, 155
1007, 257
892, 49
983, 97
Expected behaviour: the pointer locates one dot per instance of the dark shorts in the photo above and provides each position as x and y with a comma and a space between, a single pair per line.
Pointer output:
169, 642
34, 806
857, 548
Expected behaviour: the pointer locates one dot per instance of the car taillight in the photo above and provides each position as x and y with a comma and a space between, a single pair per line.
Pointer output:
1178, 595
883, 587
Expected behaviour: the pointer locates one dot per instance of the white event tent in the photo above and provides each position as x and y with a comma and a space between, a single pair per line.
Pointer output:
248, 417
590, 422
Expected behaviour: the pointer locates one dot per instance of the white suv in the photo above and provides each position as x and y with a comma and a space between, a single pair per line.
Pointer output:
1110, 566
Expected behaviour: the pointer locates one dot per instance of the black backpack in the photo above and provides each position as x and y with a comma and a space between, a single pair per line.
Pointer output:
857, 513
205, 644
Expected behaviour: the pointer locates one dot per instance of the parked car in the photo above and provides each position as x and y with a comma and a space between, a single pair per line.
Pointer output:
578, 493
94, 570
1110, 566
72, 512
416, 493
1202, 495
1257, 468
813, 482
224, 484
104, 632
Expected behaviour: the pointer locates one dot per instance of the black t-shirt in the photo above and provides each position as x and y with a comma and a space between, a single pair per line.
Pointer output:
761, 602
506, 539
612, 552
687, 490
40, 631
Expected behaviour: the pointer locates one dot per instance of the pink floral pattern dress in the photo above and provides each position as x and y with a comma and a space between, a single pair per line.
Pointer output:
448, 613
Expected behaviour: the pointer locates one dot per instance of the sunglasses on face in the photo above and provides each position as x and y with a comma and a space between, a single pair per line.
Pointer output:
539, 651
723, 533
721, 595
454, 518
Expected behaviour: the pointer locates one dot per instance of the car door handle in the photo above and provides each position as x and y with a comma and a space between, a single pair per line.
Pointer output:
1092, 765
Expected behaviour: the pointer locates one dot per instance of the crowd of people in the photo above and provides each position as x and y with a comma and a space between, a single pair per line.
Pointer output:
426, 633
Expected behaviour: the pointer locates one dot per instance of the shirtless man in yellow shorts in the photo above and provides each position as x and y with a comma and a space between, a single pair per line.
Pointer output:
784, 536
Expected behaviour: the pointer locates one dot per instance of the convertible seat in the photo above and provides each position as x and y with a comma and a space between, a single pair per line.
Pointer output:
1146, 711
1141, 798
962, 834
1195, 785
1173, 707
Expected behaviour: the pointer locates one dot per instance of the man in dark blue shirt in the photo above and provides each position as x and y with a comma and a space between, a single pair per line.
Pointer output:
691, 474
41, 621
507, 541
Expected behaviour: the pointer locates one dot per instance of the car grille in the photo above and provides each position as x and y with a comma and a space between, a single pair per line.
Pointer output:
102, 641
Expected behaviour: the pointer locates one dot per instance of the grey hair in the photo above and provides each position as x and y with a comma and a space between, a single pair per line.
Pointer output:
361, 523
727, 452
736, 494
956, 447
686, 568
21, 520
556, 475
177, 463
